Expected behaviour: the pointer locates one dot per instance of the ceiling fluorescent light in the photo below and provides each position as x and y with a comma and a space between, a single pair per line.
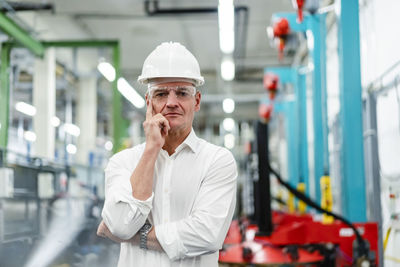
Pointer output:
227, 69
107, 70
72, 129
226, 21
71, 149
229, 141
228, 124
25, 108
55, 121
108, 145
30, 136
130, 93
228, 105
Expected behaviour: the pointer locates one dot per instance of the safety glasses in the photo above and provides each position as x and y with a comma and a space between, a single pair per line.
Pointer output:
160, 93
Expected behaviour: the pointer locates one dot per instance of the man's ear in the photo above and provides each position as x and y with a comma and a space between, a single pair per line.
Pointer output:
147, 99
197, 101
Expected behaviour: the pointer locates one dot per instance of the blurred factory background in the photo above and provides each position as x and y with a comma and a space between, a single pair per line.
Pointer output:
324, 75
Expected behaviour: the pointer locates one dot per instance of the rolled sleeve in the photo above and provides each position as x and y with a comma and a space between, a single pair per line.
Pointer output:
123, 214
168, 237
205, 229
142, 206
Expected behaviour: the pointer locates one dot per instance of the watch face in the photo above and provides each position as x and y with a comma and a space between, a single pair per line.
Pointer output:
147, 227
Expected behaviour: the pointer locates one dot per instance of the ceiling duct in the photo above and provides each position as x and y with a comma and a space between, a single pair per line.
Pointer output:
23, 6
152, 9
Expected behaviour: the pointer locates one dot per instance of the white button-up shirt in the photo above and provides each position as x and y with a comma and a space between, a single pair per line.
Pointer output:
193, 200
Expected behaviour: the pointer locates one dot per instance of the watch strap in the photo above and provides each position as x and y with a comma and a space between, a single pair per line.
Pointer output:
143, 233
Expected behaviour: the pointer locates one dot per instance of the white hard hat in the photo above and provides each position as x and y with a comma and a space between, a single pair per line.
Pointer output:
171, 60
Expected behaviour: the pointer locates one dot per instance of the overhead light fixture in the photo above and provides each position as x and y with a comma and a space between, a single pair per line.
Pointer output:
270, 32
229, 141
227, 69
108, 145
71, 149
226, 21
130, 93
228, 105
72, 129
310, 40
25, 108
55, 121
107, 70
30, 136
228, 124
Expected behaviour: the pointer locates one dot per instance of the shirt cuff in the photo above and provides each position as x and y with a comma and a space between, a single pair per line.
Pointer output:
144, 206
168, 237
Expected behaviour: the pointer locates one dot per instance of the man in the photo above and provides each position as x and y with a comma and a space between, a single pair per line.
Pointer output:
170, 200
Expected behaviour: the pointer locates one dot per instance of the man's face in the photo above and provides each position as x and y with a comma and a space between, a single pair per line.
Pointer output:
176, 101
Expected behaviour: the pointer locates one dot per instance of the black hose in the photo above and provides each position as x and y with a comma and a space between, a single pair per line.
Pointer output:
362, 243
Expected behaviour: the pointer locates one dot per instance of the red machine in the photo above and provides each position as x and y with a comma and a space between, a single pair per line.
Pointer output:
265, 111
296, 239
299, 4
310, 6
281, 30
271, 82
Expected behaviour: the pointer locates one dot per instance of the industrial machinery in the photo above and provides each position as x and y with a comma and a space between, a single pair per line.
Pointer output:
277, 238
47, 214
305, 5
282, 37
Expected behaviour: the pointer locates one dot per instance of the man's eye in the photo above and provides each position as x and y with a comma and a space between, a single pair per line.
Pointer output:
160, 94
182, 93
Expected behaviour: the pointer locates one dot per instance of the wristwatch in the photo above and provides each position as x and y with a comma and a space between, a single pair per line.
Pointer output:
143, 232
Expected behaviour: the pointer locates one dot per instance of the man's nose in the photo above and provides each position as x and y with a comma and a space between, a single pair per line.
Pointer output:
172, 99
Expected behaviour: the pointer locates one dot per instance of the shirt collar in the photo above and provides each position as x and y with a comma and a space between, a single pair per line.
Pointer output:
191, 141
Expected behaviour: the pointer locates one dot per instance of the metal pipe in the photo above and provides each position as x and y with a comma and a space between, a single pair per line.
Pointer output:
384, 88
156, 10
120, 125
80, 43
263, 190
380, 78
240, 41
19, 6
4, 95
14, 30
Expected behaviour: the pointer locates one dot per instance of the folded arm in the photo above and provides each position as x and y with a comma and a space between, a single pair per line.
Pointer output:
125, 211
152, 242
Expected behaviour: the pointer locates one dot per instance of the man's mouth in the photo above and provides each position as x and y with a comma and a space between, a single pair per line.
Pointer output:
172, 114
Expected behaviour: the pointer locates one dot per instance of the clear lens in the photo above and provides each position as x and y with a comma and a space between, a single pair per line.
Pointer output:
181, 92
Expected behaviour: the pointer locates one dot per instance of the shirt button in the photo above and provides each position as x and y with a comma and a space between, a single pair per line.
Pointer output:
166, 190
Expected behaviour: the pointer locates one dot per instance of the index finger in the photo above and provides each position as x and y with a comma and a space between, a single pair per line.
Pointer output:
149, 111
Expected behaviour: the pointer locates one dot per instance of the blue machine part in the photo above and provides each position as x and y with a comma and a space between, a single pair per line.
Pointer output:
295, 123
352, 150
317, 26
301, 97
